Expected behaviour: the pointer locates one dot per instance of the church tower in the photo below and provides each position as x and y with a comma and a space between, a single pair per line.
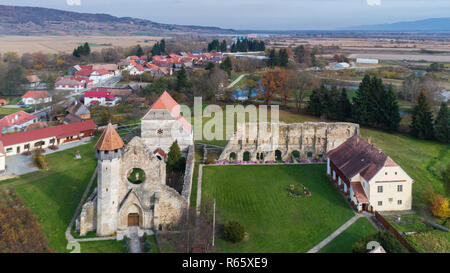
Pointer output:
108, 150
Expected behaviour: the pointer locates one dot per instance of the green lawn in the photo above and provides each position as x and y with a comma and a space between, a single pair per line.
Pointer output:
343, 242
53, 195
8, 111
110, 246
257, 196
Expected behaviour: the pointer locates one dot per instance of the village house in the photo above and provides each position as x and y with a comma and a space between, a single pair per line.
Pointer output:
137, 70
370, 179
36, 97
75, 84
103, 98
16, 122
33, 80
3, 102
43, 138
120, 90
78, 109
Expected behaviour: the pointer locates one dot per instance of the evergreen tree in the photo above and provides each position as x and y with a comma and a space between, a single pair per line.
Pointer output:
86, 49
273, 59
156, 50
76, 53
317, 101
390, 116
210, 67
223, 46
442, 124
227, 66
344, 107
233, 48
174, 156
283, 58
182, 80
139, 51
422, 119
361, 111
162, 46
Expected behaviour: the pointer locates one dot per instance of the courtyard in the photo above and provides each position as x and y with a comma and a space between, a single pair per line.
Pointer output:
257, 196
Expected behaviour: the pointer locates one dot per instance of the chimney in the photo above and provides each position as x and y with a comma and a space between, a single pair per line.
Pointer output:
369, 140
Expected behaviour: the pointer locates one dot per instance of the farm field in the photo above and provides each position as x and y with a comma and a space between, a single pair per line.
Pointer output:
257, 196
343, 242
66, 44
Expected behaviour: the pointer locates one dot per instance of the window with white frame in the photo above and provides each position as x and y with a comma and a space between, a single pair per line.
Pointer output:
399, 202
399, 188
380, 188
380, 203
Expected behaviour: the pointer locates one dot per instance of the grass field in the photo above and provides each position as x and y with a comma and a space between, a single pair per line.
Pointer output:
343, 242
110, 246
54, 194
257, 196
8, 111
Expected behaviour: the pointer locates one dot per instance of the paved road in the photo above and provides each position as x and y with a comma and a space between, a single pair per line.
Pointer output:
335, 234
237, 80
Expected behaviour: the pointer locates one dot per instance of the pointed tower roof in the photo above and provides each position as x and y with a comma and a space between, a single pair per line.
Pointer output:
164, 102
109, 140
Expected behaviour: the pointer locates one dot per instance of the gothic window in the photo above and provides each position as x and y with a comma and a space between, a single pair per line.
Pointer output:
160, 132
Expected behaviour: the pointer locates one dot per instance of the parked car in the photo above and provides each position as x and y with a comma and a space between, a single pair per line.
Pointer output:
25, 106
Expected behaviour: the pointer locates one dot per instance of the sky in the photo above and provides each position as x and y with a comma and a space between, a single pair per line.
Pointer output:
258, 14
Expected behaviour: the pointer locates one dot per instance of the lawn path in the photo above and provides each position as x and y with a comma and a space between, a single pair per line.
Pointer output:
236, 81
199, 188
335, 234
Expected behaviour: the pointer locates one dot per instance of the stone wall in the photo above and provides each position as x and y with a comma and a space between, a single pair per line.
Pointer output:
264, 140
188, 173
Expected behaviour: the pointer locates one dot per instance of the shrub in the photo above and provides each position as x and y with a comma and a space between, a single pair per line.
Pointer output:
386, 239
440, 207
126, 244
234, 231
146, 244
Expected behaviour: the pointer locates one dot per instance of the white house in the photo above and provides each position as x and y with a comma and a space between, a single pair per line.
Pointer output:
17, 122
103, 98
367, 61
100, 75
370, 179
36, 97
75, 84
137, 70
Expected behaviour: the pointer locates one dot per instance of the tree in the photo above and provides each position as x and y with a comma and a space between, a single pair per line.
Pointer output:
422, 119
139, 51
299, 83
440, 206
173, 157
86, 49
223, 46
273, 59
273, 82
361, 111
283, 58
344, 107
442, 124
162, 46
389, 114
156, 49
182, 80
227, 66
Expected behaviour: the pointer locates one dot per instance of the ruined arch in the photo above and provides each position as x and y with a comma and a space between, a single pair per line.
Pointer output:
246, 156
278, 155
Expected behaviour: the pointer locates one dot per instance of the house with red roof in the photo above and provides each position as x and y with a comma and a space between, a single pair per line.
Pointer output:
370, 179
163, 124
18, 143
75, 84
103, 98
36, 97
17, 122
138, 69
100, 75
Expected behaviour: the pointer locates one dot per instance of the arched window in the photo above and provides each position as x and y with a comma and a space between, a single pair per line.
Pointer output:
246, 156
278, 155
233, 156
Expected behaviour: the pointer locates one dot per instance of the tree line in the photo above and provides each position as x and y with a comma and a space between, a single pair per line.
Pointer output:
248, 45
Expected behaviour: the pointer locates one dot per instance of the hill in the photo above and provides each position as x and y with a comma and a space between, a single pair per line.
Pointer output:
16, 20
429, 25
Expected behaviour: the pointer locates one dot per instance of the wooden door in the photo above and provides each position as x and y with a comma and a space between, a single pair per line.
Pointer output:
133, 219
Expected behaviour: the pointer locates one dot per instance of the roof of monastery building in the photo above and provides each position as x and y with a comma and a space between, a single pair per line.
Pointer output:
357, 155
166, 102
109, 140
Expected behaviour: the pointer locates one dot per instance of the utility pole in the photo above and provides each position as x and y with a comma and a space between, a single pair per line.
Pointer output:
214, 221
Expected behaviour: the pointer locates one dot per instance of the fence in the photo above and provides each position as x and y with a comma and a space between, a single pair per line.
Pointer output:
389, 227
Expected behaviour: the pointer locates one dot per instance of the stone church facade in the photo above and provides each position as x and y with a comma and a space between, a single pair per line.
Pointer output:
131, 187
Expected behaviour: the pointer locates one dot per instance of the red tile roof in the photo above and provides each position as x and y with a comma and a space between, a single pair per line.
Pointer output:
16, 118
84, 72
109, 140
358, 156
140, 67
98, 94
102, 72
60, 131
36, 94
359, 192
166, 102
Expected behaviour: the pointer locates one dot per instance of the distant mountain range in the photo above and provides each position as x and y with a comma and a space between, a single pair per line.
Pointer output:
429, 25
15, 20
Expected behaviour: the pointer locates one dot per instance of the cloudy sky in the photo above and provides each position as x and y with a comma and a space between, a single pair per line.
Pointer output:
258, 14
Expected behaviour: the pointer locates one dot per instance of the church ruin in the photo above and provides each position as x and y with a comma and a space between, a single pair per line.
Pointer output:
278, 141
